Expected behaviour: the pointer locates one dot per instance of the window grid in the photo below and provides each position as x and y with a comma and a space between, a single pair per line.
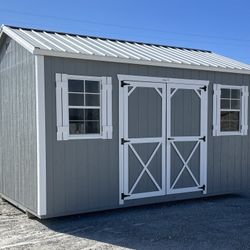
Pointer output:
82, 123
230, 117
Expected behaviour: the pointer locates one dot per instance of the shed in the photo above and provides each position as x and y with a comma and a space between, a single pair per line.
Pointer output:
90, 124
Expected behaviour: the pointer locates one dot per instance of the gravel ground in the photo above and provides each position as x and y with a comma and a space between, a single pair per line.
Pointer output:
212, 223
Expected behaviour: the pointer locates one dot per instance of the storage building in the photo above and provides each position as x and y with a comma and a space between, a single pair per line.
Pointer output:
89, 124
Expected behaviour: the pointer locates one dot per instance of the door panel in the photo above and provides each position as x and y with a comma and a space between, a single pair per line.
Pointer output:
144, 140
185, 113
186, 138
185, 149
146, 183
144, 113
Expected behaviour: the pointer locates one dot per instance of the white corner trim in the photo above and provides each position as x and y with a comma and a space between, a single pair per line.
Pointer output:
41, 144
18, 39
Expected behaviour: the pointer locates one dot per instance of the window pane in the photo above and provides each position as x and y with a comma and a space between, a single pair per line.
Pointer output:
76, 100
92, 86
234, 126
230, 116
230, 121
225, 126
225, 116
235, 104
225, 104
75, 85
225, 93
92, 100
235, 93
92, 127
76, 128
234, 116
76, 114
92, 114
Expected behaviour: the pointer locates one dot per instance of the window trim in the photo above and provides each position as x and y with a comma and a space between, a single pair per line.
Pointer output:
217, 110
105, 107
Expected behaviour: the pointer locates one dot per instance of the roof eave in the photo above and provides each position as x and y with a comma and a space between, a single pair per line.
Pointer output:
6, 30
43, 52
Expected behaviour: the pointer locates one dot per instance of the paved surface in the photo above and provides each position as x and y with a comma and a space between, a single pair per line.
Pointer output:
213, 223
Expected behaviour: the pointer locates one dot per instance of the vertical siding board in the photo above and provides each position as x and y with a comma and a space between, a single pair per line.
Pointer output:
50, 171
18, 135
213, 145
111, 172
229, 145
217, 149
16, 96
238, 157
95, 150
225, 154
59, 199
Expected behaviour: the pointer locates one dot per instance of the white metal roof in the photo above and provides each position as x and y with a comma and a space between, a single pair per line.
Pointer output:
40, 42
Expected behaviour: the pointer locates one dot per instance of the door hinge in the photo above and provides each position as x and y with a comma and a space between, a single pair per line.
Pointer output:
123, 83
204, 88
203, 138
202, 187
123, 141
123, 196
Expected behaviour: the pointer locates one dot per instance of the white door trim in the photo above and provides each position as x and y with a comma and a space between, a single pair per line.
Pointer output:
161, 80
180, 82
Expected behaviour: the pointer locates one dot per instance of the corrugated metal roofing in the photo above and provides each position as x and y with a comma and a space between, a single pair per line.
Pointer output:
79, 46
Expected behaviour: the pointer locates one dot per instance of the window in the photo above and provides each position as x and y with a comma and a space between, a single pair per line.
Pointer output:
230, 107
84, 107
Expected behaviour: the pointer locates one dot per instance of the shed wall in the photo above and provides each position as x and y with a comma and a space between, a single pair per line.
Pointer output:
18, 169
83, 175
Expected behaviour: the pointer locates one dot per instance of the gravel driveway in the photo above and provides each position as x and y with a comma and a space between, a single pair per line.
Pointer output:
212, 223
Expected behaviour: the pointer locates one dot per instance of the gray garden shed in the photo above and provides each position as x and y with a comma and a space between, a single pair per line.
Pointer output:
90, 123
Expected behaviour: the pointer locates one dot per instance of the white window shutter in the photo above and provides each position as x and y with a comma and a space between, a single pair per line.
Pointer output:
216, 109
244, 124
107, 128
62, 107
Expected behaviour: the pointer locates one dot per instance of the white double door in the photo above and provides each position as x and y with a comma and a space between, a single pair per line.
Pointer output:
163, 143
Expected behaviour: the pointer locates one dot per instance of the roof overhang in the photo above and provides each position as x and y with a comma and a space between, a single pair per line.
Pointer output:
51, 53
37, 51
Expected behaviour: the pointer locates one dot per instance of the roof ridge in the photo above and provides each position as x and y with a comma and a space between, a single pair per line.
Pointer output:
105, 38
